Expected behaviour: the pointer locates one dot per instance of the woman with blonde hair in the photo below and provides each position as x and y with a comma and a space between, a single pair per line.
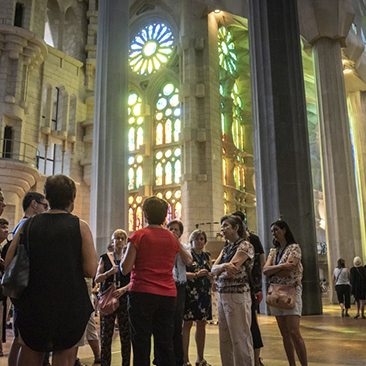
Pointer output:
358, 286
198, 306
109, 272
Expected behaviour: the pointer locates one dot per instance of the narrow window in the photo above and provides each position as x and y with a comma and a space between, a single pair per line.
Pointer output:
18, 18
7, 146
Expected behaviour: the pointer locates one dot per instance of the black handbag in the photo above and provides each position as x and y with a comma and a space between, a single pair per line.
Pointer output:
16, 276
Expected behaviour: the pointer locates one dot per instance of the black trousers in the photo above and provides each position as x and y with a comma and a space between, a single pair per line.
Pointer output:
178, 325
152, 314
344, 295
256, 333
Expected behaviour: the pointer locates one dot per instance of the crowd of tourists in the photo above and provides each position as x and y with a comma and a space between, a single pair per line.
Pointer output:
150, 283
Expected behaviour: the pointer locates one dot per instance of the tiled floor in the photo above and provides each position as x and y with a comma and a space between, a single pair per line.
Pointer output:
330, 340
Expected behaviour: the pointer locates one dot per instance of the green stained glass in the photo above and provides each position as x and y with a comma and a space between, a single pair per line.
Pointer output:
221, 90
138, 177
168, 131
168, 89
131, 179
131, 160
177, 171
131, 220
151, 48
174, 101
140, 137
137, 109
177, 112
139, 218
159, 175
131, 139
159, 134
227, 51
168, 173
132, 99
161, 104
168, 112
177, 130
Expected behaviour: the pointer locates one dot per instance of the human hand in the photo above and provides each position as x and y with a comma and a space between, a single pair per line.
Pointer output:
230, 269
202, 273
113, 270
119, 292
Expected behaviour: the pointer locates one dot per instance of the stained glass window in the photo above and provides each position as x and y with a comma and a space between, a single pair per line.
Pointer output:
135, 214
151, 48
175, 207
224, 171
167, 116
135, 172
168, 167
227, 52
237, 128
135, 121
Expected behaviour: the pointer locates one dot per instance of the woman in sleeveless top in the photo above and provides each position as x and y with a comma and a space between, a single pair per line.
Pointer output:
341, 277
109, 271
54, 309
284, 267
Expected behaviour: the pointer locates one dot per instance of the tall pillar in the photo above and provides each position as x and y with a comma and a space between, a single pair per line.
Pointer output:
357, 109
109, 205
202, 185
339, 185
280, 135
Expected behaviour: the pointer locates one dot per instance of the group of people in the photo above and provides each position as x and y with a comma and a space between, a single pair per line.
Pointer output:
162, 286
350, 282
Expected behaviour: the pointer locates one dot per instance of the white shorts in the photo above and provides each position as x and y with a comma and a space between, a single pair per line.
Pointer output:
297, 310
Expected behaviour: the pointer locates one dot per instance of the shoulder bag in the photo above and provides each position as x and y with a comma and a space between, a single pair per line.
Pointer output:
107, 303
16, 276
281, 296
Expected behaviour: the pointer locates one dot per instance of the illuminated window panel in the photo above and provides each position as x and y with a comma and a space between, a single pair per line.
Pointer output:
151, 49
237, 127
167, 116
136, 122
224, 171
173, 197
227, 53
135, 172
135, 214
167, 166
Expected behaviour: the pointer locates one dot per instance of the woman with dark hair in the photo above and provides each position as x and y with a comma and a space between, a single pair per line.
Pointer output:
109, 272
232, 269
198, 305
341, 278
284, 267
150, 258
53, 311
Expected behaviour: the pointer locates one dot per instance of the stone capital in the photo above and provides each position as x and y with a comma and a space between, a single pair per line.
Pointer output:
325, 18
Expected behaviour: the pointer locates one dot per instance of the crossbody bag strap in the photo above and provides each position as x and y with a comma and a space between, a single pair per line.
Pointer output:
339, 274
112, 262
363, 277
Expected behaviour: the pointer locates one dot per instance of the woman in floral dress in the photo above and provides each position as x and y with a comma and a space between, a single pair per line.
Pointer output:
198, 296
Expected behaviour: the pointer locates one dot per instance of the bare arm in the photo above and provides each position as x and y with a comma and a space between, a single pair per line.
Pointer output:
261, 258
89, 256
231, 267
185, 256
12, 247
129, 259
282, 270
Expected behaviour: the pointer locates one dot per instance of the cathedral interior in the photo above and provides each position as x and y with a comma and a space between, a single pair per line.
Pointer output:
215, 106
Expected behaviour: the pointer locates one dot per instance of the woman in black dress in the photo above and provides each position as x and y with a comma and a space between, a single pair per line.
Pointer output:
198, 306
358, 284
54, 309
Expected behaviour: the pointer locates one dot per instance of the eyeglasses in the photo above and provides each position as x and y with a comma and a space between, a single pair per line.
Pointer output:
44, 204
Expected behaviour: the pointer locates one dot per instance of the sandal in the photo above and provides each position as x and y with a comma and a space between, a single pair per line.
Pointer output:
203, 362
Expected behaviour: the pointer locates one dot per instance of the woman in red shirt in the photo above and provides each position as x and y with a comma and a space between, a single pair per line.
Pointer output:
150, 258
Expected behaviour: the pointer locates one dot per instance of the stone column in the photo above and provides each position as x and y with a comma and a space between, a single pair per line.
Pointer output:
357, 109
280, 135
202, 188
109, 206
339, 186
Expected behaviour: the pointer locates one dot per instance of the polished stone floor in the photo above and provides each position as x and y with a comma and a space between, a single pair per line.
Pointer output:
330, 340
